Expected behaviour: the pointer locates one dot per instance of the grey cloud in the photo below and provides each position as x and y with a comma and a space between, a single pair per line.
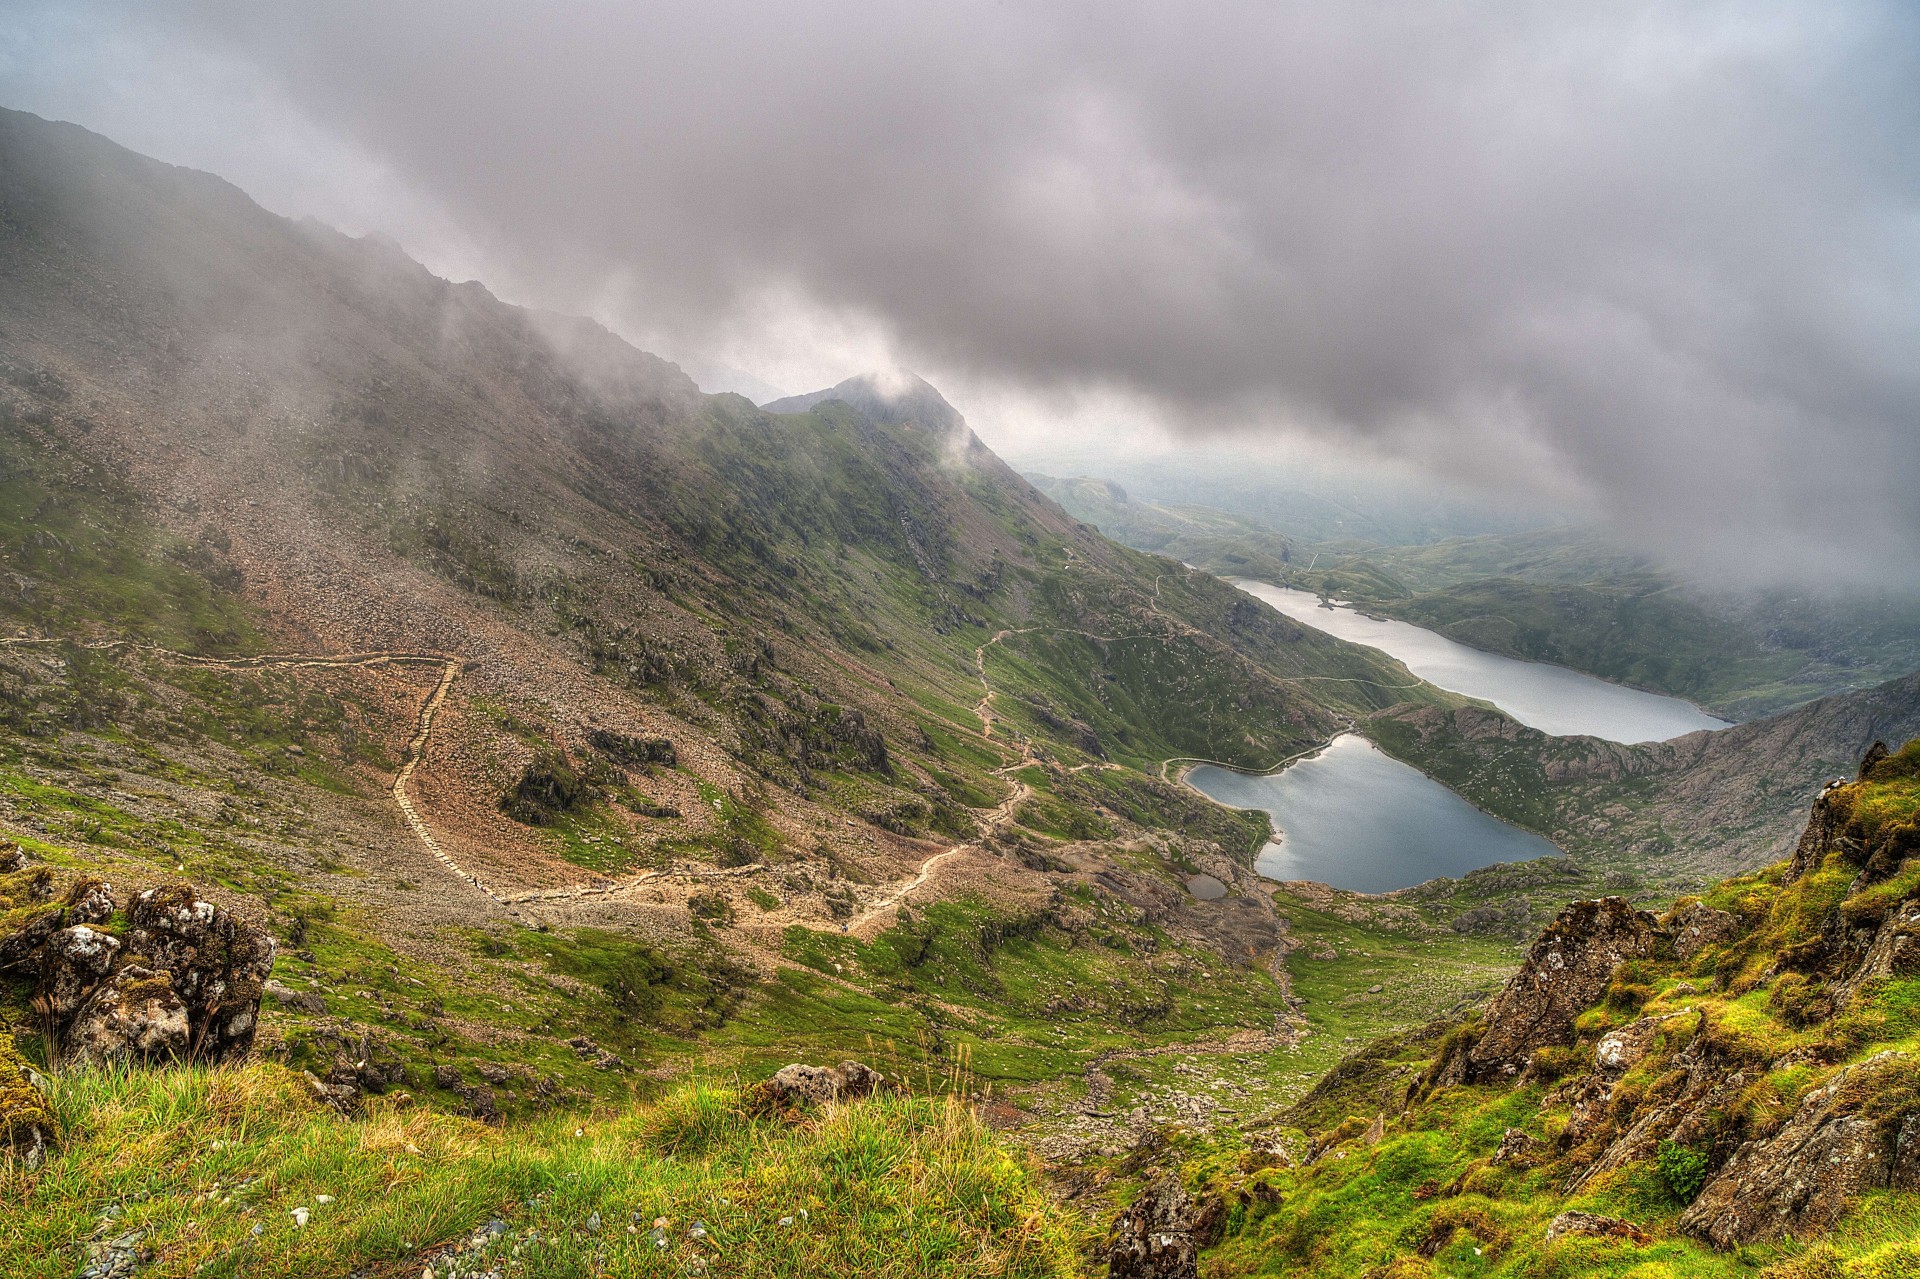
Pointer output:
1668, 253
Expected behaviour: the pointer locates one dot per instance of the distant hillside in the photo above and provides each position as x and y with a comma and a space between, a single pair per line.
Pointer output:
1551, 595
1227, 545
1668, 816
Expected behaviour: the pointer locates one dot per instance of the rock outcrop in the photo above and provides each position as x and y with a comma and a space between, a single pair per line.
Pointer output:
217, 965
1568, 968
796, 1086
1160, 1234
1841, 1142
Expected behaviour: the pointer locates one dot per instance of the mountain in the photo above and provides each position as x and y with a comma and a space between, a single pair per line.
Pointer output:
451, 705
886, 399
512, 681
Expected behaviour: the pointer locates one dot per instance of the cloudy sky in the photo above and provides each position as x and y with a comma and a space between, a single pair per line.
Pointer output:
1658, 262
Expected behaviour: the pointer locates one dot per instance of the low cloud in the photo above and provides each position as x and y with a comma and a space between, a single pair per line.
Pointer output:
1663, 258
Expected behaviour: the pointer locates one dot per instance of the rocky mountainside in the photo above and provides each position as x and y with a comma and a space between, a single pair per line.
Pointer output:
1739, 1074
1673, 814
565, 723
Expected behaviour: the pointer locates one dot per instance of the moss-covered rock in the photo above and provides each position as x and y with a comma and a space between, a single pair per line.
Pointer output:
26, 1127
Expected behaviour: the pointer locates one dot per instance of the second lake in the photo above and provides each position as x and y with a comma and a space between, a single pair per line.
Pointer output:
1359, 819
1550, 698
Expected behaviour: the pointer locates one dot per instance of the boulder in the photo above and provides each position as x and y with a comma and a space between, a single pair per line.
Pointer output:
1567, 969
1160, 1234
217, 963
1693, 925
133, 1016
1800, 1180
795, 1086
1623, 1049
72, 962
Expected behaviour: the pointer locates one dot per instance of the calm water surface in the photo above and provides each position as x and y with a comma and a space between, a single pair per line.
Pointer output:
1550, 698
1356, 818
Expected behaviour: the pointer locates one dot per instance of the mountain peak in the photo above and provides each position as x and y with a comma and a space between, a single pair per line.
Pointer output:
896, 398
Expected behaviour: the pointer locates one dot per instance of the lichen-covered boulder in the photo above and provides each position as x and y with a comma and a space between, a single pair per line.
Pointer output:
26, 1127
72, 962
133, 1016
1838, 1144
1567, 969
795, 1086
217, 964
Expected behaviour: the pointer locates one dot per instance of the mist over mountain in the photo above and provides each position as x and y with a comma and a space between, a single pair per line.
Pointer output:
491, 785
1653, 264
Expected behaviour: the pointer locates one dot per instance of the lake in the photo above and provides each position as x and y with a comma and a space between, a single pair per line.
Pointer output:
1550, 698
1357, 818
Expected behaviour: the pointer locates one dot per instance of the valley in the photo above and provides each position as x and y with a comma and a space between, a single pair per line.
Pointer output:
577, 750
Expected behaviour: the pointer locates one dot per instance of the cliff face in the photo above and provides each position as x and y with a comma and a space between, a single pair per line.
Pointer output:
1743, 1070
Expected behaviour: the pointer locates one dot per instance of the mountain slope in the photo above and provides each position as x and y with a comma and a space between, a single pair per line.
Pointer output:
569, 723
1673, 814
1727, 1085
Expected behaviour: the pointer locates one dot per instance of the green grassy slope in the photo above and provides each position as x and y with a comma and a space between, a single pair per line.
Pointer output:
239, 1171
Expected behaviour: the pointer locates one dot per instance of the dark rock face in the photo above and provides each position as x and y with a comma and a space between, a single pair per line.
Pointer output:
1567, 969
1160, 1234
792, 1087
1802, 1178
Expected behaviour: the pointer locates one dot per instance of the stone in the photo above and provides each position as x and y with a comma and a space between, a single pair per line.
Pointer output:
311, 1002
217, 962
1693, 925
72, 962
90, 901
1592, 1223
797, 1085
1622, 1049
1518, 1150
1567, 969
1160, 1234
133, 1016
